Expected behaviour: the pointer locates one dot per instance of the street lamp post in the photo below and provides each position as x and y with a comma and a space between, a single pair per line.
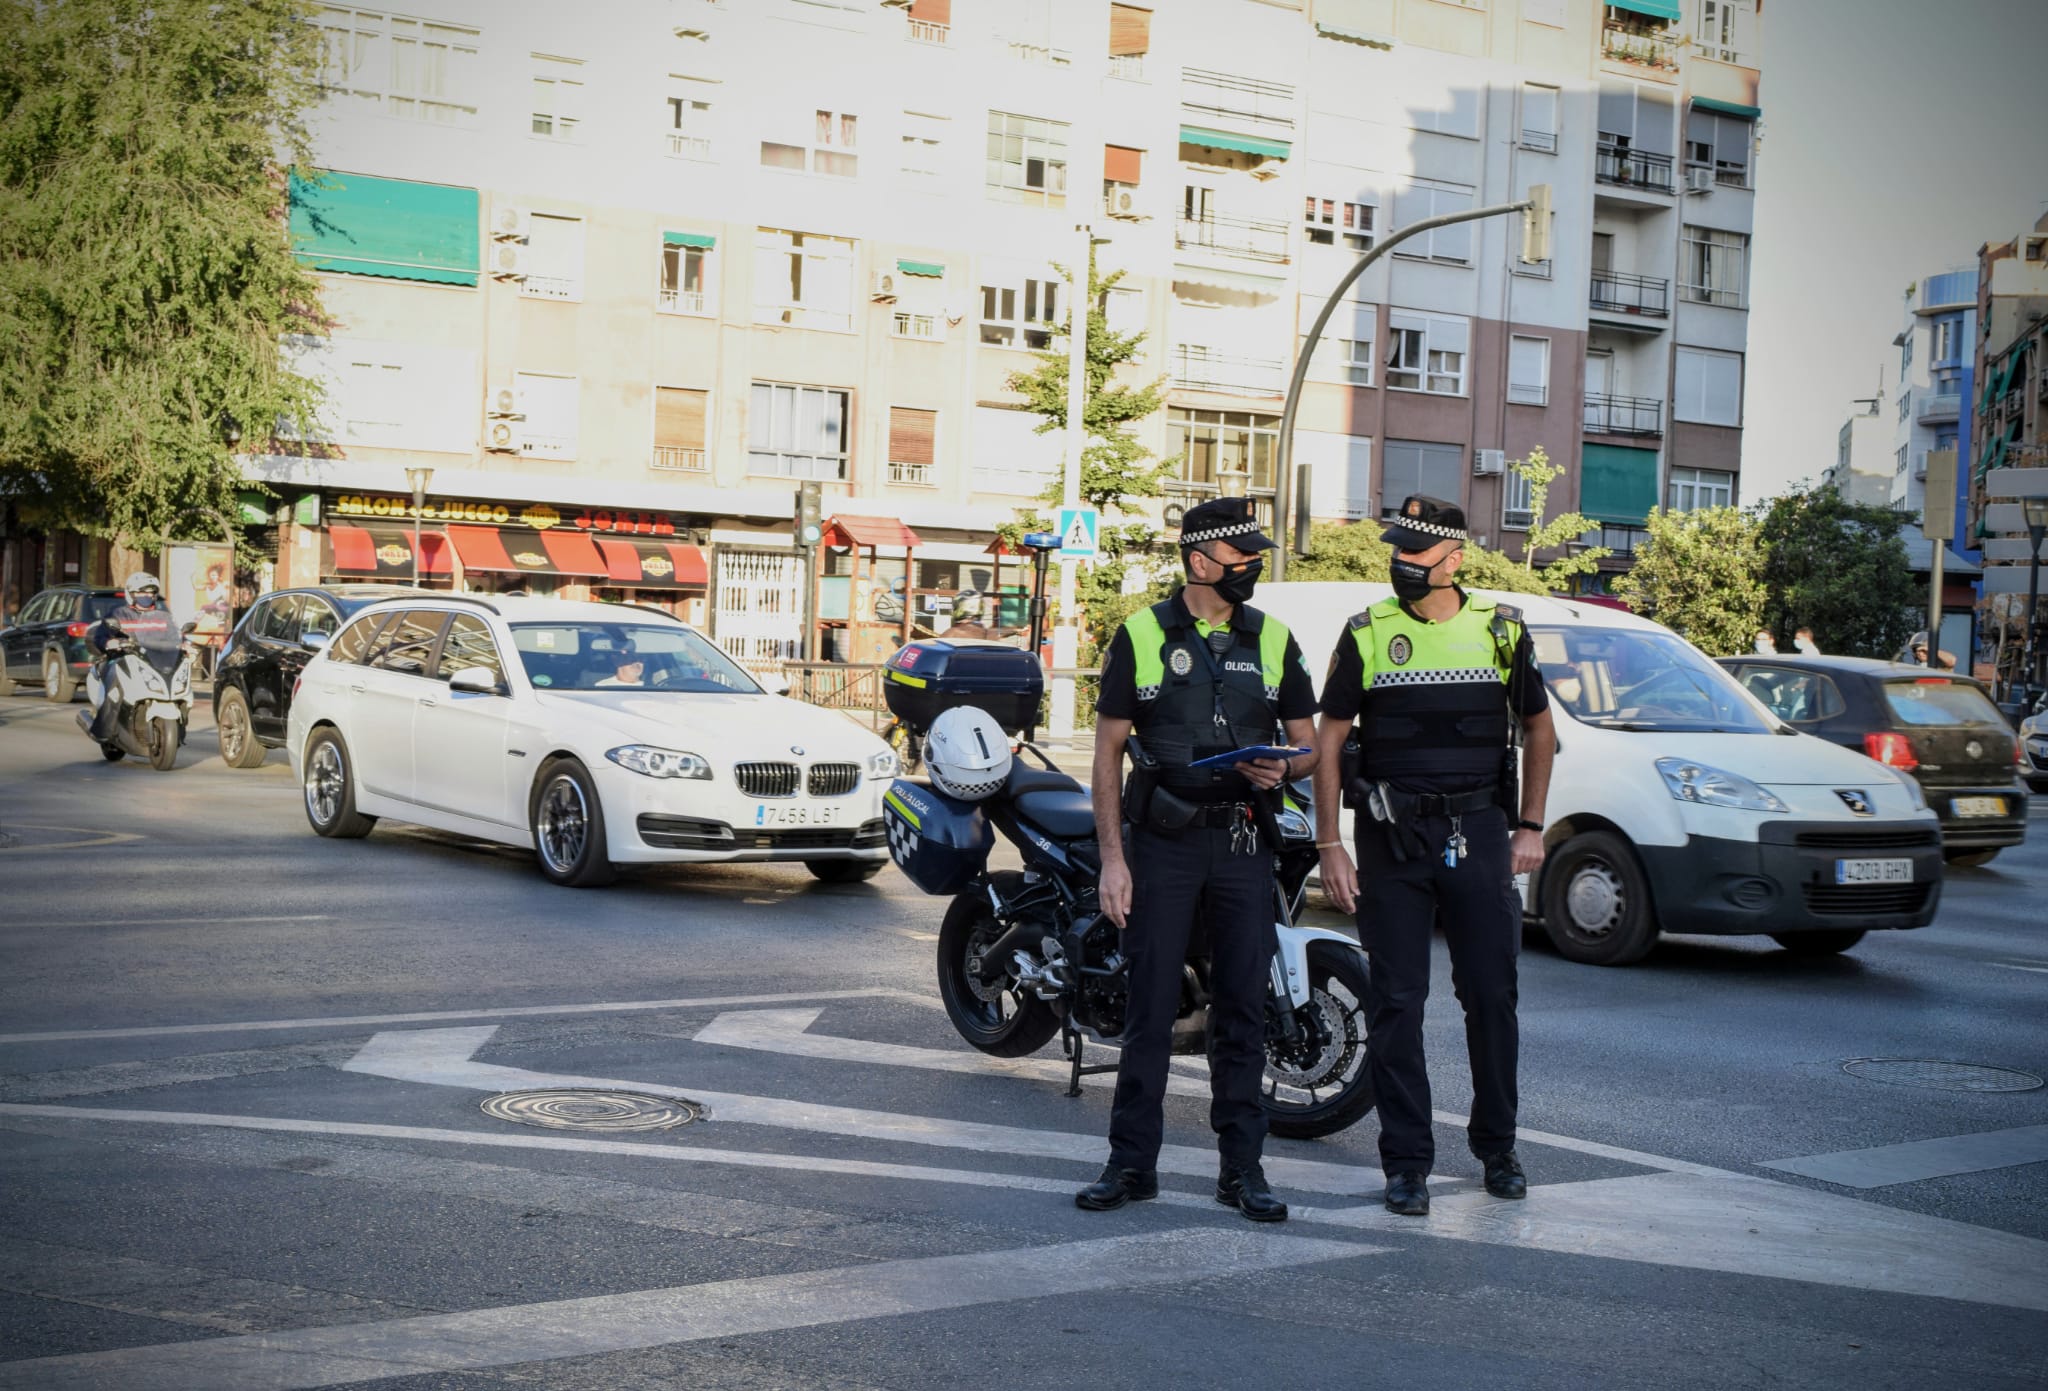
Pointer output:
419, 476
2035, 510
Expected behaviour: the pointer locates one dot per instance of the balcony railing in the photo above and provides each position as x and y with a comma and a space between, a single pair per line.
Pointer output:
1242, 101
676, 458
1198, 368
1539, 140
1645, 46
1043, 55
916, 475
1632, 168
924, 31
1129, 66
1254, 239
1623, 415
681, 146
1939, 406
682, 301
908, 324
1617, 293
1184, 493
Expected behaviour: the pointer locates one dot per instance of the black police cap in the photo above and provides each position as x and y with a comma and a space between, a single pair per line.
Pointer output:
1423, 521
1223, 519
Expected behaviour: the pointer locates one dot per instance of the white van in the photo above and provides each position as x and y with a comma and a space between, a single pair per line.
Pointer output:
1679, 803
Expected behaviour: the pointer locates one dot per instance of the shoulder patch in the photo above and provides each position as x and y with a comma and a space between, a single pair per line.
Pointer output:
1509, 612
1361, 619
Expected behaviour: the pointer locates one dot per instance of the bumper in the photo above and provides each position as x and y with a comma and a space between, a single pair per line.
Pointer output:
1785, 881
670, 839
675, 821
2036, 768
1980, 832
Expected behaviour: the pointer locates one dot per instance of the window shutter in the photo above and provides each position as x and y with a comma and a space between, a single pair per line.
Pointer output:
678, 418
912, 435
1441, 467
932, 11
1655, 118
1120, 164
1130, 30
1448, 335
1617, 109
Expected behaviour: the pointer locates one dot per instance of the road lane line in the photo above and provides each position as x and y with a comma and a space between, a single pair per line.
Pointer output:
183, 922
523, 1333
1883, 1165
2016, 966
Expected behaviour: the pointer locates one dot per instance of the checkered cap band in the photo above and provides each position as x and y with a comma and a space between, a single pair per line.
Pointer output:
1449, 533
1218, 533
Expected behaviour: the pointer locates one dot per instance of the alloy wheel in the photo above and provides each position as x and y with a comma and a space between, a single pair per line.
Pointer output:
53, 677
324, 779
562, 824
234, 732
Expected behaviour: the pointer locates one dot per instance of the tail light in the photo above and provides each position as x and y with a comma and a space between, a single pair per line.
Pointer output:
77, 630
1892, 749
297, 681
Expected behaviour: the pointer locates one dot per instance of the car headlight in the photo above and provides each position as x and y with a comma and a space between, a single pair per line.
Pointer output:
883, 764
659, 763
1696, 782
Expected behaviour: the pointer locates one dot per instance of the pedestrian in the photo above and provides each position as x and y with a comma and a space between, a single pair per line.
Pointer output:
1438, 683
1765, 645
1201, 673
1803, 640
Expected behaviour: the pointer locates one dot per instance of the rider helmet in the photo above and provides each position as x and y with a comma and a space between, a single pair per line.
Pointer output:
967, 754
140, 581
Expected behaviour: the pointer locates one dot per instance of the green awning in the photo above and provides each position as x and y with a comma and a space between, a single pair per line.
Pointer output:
1616, 484
1728, 108
930, 268
1666, 10
392, 228
1223, 140
1368, 37
688, 239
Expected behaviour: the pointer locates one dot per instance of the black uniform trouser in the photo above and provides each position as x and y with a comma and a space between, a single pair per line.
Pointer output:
1481, 914
1176, 879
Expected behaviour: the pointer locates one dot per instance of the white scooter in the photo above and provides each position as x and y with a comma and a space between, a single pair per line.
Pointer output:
151, 704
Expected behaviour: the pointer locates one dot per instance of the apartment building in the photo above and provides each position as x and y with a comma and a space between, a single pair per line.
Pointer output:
1862, 471
1935, 377
624, 278
2008, 433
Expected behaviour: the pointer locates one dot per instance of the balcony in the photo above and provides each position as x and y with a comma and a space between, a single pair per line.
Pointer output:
1938, 407
681, 146
676, 458
1251, 239
1040, 55
1632, 168
1128, 66
913, 475
682, 301
1649, 46
924, 31
1639, 296
1198, 368
1623, 415
1237, 103
1183, 494
1719, 173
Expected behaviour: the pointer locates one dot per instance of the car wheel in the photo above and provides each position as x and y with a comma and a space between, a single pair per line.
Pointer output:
1596, 901
845, 871
330, 787
239, 747
1824, 943
1968, 859
568, 826
59, 685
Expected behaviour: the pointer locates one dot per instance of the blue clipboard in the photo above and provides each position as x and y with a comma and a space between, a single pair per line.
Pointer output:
1236, 756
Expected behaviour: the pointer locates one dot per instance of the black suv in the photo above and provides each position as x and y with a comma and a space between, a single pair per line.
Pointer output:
47, 647
252, 682
1937, 725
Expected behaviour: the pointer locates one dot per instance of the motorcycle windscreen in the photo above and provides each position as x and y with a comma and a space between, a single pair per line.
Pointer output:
939, 842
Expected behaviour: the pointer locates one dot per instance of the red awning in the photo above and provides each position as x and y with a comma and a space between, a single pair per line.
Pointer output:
386, 552
526, 552
869, 531
654, 564
573, 552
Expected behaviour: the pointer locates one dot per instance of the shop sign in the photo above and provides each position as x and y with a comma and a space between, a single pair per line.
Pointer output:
539, 515
393, 554
656, 565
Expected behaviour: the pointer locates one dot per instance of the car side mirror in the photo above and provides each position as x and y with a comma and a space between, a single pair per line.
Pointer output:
479, 680
313, 642
186, 630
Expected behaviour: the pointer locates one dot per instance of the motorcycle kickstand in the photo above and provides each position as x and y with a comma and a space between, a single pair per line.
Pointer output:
1072, 1042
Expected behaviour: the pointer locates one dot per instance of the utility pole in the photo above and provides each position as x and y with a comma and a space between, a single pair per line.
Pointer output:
1066, 638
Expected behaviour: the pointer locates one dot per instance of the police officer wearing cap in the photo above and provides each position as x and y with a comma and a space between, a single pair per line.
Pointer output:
1199, 674
1440, 684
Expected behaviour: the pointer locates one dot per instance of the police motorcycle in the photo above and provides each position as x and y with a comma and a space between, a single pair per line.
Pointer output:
1025, 954
151, 692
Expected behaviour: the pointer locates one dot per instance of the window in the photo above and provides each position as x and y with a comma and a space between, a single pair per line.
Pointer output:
1426, 352
1720, 142
1410, 466
1905, 404
1529, 370
1123, 168
803, 280
1691, 489
1539, 117
554, 258
687, 123
930, 21
1123, 310
833, 136
411, 68
923, 139
1347, 360
1414, 202
549, 404
468, 644
1003, 324
1716, 266
1130, 39
1009, 454
920, 308
355, 639
1517, 502
1455, 113
1026, 27
679, 416
1707, 387
1797, 697
1327, 218
1224, 451
797, 431
1550, 12
1900, 466
390, 395
913, 442
277, 620
1027, 158
557, 96
317, 619
1906, 352
1636, 136
406, 645
1339, 473
1726, 31
1947, 340
1345, 352
686, 277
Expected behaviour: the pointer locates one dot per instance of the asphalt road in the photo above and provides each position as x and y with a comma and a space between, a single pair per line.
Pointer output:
241, 1143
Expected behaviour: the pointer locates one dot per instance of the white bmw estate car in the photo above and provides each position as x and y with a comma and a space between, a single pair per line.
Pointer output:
598, 734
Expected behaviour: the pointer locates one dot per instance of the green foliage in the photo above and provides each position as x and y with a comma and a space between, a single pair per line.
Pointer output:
1839, 568
1353, 552
1701, 574
1559, 531
145, 276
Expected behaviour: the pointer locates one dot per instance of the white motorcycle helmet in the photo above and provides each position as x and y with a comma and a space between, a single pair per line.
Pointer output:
139, 581
967, 754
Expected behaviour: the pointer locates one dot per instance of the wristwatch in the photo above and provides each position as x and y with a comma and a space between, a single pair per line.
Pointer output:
1536, 826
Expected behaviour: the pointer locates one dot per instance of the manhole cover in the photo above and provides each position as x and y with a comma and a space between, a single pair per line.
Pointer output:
1941, 1076
569, 1108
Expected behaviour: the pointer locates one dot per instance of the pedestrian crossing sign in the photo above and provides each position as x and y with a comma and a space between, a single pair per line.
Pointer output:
1080, 533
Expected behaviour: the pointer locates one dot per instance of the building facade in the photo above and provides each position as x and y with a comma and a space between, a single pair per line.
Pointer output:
1936, 373
623, 283
1862, 471
2008, 472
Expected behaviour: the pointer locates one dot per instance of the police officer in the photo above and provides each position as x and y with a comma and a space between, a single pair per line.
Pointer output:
1199, 674
1437, 682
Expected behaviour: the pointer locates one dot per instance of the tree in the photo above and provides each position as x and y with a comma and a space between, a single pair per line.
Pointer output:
1353, 551
146, 281
1559, 531
1701, 573
1839, 568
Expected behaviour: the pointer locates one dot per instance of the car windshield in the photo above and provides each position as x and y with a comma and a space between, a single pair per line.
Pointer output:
1618, 678
1930, 701
605, 656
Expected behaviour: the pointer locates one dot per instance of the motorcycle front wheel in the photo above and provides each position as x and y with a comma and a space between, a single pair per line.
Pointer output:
1321, 1084
999, 1019
163, 743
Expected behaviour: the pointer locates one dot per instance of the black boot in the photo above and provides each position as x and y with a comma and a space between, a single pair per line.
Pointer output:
1244, 1187
1504, 1177
1118, 1186
1408, 1194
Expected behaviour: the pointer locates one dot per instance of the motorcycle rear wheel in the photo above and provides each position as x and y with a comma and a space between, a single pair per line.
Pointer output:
1001, 1021
1334, 1090
163, 743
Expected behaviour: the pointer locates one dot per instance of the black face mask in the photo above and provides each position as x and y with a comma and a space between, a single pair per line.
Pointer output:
1238, 580
1411, 579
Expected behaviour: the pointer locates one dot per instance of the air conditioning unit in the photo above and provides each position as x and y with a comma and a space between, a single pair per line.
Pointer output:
1488, 462
883, 288
508, 261
1120, 200
503, 437
510, 224
504, 404
1699, 180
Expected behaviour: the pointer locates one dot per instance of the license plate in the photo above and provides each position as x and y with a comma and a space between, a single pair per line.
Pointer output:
799, 814
1873, 871
1979, 806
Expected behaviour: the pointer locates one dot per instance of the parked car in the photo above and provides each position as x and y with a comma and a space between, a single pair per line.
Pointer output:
597, 734
261, 662
1677, 803
1938, 726
46, 646
2034, 739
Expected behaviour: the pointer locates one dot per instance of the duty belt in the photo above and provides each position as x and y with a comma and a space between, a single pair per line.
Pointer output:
1221, 814
1452, 803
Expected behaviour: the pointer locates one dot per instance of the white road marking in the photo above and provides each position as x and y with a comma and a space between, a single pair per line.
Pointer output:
182, 922
92, 838
521, 1333
2016, 966
1883, 1165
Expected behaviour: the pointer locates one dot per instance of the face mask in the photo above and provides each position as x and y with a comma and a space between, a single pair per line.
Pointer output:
1411, 579
1238, 581
145, 600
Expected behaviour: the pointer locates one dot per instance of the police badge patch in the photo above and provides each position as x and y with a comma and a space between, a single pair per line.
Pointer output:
1181, 662
1400, 650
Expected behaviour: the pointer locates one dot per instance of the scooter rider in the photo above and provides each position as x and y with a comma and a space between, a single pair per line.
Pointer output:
1197, 675
143, 621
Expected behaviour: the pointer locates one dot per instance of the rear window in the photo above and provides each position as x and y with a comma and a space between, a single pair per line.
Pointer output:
1926, 703
98, 606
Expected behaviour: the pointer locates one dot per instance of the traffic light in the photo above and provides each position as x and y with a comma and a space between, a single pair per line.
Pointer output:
1536, 226
810, 515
